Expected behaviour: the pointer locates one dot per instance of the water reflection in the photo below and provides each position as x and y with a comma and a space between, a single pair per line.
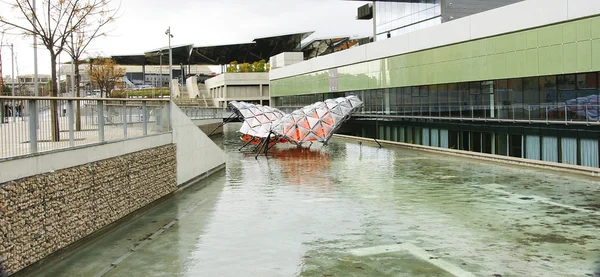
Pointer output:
307, 212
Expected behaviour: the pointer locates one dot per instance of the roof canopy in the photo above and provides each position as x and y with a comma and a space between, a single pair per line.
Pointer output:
258, 49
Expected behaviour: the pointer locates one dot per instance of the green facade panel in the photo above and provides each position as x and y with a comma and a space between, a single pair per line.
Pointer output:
596, 55
568, 47
584, 56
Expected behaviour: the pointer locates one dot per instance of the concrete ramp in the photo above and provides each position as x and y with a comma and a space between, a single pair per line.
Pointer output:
192, 87
197, 154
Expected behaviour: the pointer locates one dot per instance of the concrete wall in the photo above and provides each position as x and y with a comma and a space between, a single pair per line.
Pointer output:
43, 213
25, 167
175, 88
197, 154
246, 78
192, 87
286, 58
209, 126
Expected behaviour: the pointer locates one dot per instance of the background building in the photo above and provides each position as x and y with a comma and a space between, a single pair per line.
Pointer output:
397, 17
525, 87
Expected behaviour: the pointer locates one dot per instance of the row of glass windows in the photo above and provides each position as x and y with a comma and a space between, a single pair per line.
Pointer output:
555, 97
390, 16
410, 28
546, 148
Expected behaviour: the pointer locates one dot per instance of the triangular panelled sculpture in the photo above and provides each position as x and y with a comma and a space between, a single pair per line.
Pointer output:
257, 120
313, 123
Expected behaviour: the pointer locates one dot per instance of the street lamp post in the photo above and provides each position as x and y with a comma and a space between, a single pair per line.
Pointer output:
168, 33
12, 68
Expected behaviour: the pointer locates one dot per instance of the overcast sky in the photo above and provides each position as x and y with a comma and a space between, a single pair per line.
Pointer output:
143, 23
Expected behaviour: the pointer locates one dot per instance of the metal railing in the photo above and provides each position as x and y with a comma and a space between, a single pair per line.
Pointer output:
31, 125
199, 112
562, 113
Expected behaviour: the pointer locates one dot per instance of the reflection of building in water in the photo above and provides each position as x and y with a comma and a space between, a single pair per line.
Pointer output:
302, 165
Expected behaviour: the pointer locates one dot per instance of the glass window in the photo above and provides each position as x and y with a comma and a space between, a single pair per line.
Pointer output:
531, 97
587, 81
415, 91
566, 82
566, 85
453, 100
531, 91
501, 92
587, 96
515, 86
442, 92
433, 99
465, 99
548, 89
474, 88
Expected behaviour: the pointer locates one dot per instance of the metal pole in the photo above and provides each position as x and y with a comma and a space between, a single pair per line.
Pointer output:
168, 33
161, 75
35, 63
12, 67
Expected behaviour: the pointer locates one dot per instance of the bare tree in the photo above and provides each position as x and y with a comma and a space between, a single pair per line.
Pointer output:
90, 28
53, 22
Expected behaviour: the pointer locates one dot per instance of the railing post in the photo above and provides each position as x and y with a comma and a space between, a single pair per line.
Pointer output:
586, 115
566, 120
472, 113
145, 117
547, 115
529, 112
100, 120
33, 122
499, 114
124, 119
71, 122
513, 112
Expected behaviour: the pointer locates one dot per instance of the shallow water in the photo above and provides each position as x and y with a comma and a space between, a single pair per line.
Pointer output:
352, 210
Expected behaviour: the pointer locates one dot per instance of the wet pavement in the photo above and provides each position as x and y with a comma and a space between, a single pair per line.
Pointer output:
352, 210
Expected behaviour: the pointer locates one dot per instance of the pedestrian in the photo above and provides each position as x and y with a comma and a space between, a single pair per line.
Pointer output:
20, 111
6, 112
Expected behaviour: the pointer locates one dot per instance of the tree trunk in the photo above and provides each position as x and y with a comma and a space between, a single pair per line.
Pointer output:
77, 94
54, 128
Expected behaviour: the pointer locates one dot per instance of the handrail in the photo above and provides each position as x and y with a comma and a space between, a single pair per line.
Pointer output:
80, 98
32, 125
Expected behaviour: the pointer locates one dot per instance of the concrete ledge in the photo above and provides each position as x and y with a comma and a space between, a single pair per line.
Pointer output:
60, 159
201, 177
577, 169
